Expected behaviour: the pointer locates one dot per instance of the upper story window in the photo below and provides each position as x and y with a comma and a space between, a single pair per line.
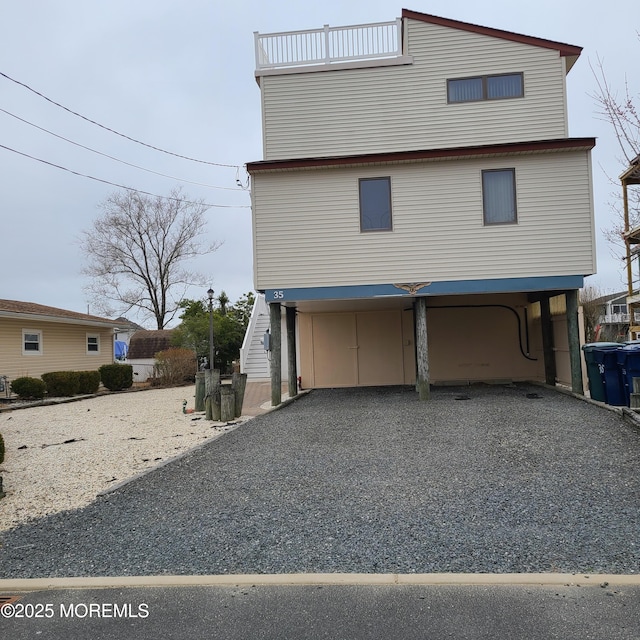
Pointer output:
93, 343
31, 342
375, 204
497, 87
499, 196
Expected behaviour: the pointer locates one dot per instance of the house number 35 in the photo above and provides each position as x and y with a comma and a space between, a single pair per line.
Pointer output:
278, 295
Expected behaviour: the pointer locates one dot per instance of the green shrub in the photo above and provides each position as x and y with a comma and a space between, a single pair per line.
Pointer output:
61, 383
116, 377
1, 449
88, 381
28, 388
175, 366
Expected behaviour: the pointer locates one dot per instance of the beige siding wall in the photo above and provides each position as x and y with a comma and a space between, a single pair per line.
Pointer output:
471, 338
345, 112
482, 343
64, 348
307, 229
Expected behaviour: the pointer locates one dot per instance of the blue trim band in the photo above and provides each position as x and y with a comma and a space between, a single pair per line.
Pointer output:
451, 287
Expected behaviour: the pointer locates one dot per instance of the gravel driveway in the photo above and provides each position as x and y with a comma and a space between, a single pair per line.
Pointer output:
480, 479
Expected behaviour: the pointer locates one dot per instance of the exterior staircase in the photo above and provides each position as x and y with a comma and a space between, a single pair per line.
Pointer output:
253, 358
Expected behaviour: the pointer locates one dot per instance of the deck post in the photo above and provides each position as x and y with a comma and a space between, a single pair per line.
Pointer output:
422, 350
275, 317
547, 341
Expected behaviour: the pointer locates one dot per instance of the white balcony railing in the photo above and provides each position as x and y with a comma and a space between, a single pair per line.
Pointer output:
328, 45
616, 318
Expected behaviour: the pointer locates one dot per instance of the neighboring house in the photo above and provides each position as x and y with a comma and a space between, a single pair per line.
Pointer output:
611, 315
37, 339
143, 347
420, 203
126, 328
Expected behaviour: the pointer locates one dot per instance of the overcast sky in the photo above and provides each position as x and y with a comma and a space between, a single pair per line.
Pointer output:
179, 75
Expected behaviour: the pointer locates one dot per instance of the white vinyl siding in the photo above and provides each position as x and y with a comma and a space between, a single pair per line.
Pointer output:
307, 225
405, 107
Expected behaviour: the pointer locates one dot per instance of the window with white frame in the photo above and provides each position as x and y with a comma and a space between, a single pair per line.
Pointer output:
499, 196
93, 343
375, 204
618, 308
31, 342
495, 87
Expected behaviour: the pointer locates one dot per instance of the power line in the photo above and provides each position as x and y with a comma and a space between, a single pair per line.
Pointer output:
121, 186
106, 155
122, 135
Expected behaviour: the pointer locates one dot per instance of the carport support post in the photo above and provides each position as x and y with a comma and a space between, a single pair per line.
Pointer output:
547, 341
292, 368
573, 333
275, 318
422, 350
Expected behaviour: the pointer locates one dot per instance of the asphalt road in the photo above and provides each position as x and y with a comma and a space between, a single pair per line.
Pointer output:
337, 612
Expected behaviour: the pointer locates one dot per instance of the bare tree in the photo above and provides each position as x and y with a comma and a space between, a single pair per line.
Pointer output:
136, 250
622, 112
591, 301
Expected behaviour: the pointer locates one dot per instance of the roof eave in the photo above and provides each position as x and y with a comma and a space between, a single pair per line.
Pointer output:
540, 146
36, 317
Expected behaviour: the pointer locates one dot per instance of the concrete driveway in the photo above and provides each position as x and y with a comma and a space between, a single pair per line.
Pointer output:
480, 479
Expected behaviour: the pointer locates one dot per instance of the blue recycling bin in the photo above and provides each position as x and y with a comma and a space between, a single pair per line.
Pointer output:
603, 372
607, 360
628, 359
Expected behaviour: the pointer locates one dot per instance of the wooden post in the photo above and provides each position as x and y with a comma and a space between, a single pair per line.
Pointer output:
422, 350
227, 403
573, 334
215, 400
276, 353
547, 342
238, 384
212, 394
292, 367
200, 391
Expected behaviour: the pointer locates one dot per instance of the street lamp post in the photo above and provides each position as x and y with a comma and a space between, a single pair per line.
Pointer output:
210, 294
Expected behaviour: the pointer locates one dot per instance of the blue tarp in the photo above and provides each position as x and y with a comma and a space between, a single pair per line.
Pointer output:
120, 349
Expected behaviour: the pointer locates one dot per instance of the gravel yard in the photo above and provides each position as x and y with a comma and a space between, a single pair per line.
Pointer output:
480, 479
61, 456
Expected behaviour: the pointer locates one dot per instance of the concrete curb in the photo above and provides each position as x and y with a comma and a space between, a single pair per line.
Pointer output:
313, 579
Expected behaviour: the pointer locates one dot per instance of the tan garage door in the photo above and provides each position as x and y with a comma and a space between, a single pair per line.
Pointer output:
362, 348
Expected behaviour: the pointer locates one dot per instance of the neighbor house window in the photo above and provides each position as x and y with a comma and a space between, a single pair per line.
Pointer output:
93, 343
498, 87
31, 342
499, 196
375, 204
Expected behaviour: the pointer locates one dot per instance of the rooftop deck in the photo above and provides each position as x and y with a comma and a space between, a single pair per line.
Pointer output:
328, 45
